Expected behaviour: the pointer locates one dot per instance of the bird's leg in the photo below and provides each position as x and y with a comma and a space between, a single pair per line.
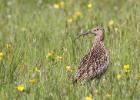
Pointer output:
89, 84
97, 81
90, 87
95, 87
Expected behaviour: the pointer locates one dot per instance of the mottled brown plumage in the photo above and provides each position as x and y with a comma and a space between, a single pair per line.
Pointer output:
95, 63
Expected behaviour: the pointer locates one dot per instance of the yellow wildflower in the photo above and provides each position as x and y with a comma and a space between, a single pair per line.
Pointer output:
20, 87
37, 70
78, 13
74, 17
69, 20
88, 97
68, 68
61, 4
49, 54
119, 76
89, 5
33, 81
116, 29
1, 55
111, 23
108, 95
1, 58
56, 6
59, 57
126, 68
138, 77
8, 46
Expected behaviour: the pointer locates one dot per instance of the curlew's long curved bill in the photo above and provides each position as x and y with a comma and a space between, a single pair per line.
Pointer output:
84, 33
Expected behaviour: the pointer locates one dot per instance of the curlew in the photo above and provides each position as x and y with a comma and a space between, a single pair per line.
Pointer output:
96, 61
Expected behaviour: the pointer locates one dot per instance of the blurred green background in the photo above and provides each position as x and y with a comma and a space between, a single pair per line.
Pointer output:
39, 52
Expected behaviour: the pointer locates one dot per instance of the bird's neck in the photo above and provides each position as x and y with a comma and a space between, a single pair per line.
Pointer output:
99, 37
98, 40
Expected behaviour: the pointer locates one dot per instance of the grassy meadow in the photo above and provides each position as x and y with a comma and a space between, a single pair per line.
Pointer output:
39, 52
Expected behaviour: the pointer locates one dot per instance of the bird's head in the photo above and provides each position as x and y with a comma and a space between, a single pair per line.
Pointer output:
95, 31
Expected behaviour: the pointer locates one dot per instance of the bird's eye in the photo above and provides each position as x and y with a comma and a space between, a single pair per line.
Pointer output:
97, 29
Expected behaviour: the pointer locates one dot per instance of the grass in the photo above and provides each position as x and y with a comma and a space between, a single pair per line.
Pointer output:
30, 29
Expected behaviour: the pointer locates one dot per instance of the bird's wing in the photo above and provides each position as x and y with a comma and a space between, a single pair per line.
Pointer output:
92, 65
84, 60
83, 67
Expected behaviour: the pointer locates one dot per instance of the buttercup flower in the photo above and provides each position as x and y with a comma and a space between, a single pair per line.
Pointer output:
68, 68
49, 54
69, 20
89, 5
119, 76
61, 4
20, 87
126, 68
138, 77
59, 58
33, 81
56, 6
88, 97
116, 29
1, 55
37, 70
8, 46
76, 15
108, 95
111, 23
